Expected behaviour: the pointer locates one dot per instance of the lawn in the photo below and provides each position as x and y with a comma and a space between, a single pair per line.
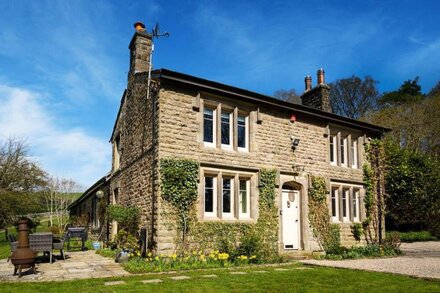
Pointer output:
296, 278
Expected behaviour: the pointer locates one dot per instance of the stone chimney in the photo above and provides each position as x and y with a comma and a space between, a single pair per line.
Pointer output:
140, 50
317, 97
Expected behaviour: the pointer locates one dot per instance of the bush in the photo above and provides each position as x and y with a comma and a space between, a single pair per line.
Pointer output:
106, 252
54, 230
126, 241
79, 221
357, 230
391, 244
127, 217
415, 236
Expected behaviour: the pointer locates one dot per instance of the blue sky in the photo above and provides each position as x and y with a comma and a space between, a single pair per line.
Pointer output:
63, 64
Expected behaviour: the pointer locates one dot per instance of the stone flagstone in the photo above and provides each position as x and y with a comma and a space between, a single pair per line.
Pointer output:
209, 276
280, 270
113, 283
238, 273
260, 272
178, 278
152, 281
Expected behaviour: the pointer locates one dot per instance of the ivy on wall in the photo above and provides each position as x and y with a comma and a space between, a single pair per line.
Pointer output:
179, 189
325, 233
179, 181
374, 223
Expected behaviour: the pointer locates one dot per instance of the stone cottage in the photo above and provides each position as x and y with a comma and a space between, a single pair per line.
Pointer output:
232, 133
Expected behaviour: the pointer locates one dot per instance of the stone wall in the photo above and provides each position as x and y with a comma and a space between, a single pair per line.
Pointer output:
180, 136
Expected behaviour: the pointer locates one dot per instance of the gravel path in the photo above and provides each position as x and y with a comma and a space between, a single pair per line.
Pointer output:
421, 259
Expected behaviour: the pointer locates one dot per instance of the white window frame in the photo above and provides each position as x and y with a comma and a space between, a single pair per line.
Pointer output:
335, 218
246, 215
354, 153
214, 128
212, 214
246, 136
346, 206
231, 127
356, 203
343, 149
333, 138
229, 215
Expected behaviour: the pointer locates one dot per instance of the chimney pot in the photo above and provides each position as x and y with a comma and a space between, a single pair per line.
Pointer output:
139, 26
308, 82
321, 76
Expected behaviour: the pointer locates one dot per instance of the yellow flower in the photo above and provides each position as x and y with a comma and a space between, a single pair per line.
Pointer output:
253, 257
194, 252
150, 254
202, 257
156, 258
174, 256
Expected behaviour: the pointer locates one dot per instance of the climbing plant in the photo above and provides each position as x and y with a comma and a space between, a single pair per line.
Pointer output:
374, 223
179, 180
326, 234
179, 192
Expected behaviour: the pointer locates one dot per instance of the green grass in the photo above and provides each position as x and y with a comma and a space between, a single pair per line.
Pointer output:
317, 279
416, 236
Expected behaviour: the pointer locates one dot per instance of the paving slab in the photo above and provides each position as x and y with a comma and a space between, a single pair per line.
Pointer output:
280, 269
259, 272
238, 273
178, 278
209, 276
152, 281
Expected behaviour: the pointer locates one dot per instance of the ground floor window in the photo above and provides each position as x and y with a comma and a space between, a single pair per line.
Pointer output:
345, 202
227, 195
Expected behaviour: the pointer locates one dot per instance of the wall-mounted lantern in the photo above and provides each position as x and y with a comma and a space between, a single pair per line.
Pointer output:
100, 194
295, 142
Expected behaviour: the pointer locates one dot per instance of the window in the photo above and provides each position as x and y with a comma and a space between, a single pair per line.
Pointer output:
334, 204
209, 127
227, 195
210, 196
343, 146
354, 153
355, 204
226, 127
228, 198
244, 198
345, 202
242, 132
343, 151
333, 153
116, 153
226, 130
345, 205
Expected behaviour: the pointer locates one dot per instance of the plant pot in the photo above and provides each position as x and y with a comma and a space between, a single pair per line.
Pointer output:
122, 256
96, 245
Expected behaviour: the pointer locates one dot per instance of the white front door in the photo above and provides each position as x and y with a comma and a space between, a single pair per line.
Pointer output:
290, 213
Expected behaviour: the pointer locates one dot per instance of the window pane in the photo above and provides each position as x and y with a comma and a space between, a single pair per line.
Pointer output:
241, 122
342, 151
243, 196
334, 203
355, 203
209, 194
226, 195
332, 153
208, 123
225, 128
344, 203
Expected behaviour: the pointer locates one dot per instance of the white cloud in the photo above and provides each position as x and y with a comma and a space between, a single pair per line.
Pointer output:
70, 153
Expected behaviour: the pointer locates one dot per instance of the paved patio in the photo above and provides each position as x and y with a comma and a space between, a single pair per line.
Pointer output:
78, 265
421, 259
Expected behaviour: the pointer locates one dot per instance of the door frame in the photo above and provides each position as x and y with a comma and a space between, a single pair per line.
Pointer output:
298, 223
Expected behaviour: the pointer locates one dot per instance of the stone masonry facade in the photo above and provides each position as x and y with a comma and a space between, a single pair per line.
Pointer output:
167, 121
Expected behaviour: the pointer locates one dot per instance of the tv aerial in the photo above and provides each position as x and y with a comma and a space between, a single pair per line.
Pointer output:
157, 33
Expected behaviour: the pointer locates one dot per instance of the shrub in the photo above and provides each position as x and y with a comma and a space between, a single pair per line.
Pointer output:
106, 252
126, 241
415, 236
127, 217
391, 244
54, 230
79, 221
357, 231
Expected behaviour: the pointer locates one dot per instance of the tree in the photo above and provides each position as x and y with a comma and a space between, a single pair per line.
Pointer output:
19, 177
17, 172
409, 92
59, 194
353, 97
287, 95
435, 91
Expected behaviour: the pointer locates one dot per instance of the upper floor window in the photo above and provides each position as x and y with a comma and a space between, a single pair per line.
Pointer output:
343, 150
209, 126
116, 152
225, 127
